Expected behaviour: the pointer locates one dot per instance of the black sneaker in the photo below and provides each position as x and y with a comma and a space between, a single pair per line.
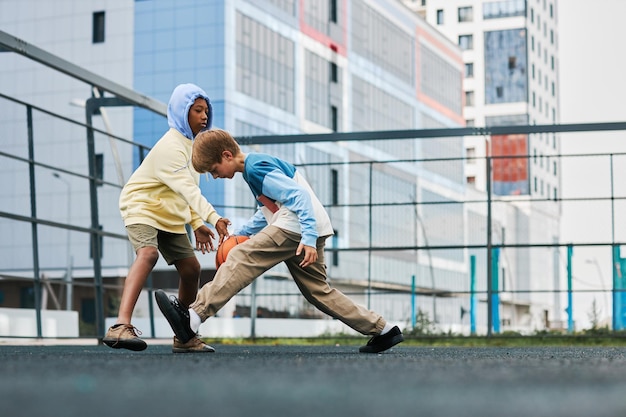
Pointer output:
176, 315
383, 342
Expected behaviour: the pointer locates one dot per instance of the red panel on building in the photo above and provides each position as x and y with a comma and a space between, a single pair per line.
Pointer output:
510, 175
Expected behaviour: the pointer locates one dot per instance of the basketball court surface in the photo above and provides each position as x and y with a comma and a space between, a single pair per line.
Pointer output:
321, 381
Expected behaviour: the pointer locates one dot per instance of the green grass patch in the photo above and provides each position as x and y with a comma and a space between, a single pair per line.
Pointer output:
616, 339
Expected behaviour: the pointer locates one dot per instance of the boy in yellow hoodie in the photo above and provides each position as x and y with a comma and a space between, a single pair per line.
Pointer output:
159, 199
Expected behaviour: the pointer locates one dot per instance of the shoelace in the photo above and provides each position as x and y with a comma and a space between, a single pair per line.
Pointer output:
177, 306
131, 329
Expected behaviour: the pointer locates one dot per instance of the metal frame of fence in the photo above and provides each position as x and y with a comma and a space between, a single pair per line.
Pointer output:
125, 97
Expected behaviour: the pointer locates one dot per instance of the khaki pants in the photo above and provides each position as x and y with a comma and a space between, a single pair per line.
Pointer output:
271, 246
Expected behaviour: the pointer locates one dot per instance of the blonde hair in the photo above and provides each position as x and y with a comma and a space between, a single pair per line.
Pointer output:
208, 147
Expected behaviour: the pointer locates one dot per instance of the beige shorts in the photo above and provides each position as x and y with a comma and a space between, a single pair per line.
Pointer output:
172, 246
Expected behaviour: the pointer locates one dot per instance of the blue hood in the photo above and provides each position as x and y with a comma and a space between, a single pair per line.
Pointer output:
181, 100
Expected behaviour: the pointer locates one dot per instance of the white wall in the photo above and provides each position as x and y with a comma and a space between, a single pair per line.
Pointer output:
22, 322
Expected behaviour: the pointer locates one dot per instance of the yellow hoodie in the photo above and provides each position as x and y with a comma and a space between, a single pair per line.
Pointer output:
163, 192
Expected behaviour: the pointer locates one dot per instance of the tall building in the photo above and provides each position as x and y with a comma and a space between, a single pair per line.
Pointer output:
510, 53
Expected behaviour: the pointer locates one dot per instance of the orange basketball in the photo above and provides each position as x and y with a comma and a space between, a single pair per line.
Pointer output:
225, 247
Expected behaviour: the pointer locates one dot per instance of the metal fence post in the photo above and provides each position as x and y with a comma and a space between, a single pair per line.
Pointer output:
33, 213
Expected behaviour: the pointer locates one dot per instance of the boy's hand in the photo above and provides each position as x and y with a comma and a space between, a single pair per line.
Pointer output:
310, 255
204, 239
222, 228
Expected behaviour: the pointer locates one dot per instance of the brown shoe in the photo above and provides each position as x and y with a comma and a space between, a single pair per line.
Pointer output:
195, 345
124, 336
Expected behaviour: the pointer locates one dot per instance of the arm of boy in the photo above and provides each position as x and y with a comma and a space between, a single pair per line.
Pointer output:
176, 173
204, 239
204, 235
254, 225
292, 195
222, 229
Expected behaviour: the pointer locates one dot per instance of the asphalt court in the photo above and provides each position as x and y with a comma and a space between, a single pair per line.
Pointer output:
321, 381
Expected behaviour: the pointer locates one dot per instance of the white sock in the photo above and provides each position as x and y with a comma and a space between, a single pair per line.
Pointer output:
386, 328
194, 320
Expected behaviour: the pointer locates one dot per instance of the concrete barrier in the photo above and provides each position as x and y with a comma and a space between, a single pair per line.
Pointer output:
22, 322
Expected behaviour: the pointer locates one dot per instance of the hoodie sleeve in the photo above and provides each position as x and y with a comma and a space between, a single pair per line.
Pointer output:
176, 172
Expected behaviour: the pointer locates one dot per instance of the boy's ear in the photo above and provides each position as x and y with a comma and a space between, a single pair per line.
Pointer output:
227, 154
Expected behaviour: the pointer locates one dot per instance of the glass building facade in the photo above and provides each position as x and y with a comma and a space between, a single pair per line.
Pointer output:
275, 67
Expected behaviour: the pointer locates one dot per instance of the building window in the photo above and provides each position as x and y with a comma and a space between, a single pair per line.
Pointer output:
334, 73
470, 123
469, 70
27, 297
333, 11
512, 63
471, 180
499, 92
440, 17
333, 118
98, 27
471, 155
88, 310
466, 14
504, 8
334, 187
469, 98
335, 245
466, 42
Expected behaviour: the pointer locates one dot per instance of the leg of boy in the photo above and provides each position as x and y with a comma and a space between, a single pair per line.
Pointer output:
123, 335
189, 271
135, 280
244, 264
313, 284
177, 250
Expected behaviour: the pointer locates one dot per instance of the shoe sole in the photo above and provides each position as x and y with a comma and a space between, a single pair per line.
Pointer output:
120, 344
183, 350
372, 349
172, 317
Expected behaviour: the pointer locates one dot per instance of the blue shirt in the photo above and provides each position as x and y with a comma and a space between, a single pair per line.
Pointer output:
276, 179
